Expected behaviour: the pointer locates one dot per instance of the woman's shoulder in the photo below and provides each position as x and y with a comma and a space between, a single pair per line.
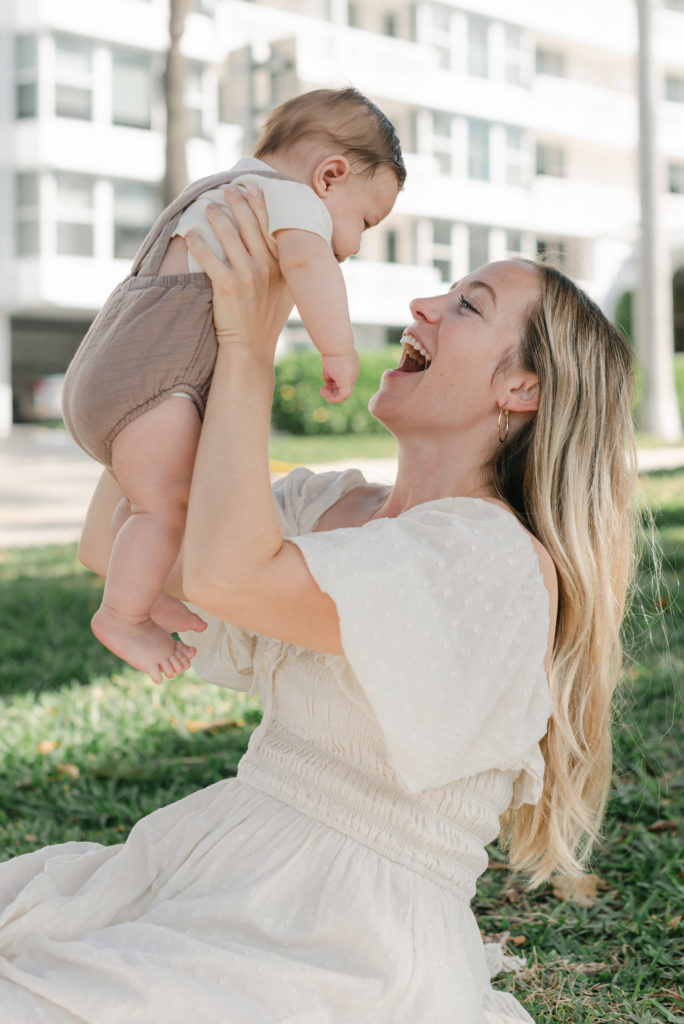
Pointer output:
303, 497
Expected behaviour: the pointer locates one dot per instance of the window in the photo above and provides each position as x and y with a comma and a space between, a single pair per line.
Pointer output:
441, 232
439, 34
553, 248
516, 59
478, 47
391, 245
478, 247
441, 247
73, 78
441, 17
550, 62
197, 100
516, 157
26, 81
550, 160
674, 89
136, 207
675, 5
26, 214
131, 89
442, 123
514, 243
675, 178
75, 203
439, 142
389, 24
478, 150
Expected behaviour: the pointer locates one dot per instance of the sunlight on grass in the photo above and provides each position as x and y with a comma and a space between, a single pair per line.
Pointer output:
301, 450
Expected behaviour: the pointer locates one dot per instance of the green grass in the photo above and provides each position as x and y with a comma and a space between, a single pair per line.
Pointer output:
302, 450
88, 745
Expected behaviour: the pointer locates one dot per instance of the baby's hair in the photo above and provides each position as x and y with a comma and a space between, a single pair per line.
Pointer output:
344, 120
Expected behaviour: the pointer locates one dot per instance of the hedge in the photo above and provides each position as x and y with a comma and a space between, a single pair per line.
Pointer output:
299, 409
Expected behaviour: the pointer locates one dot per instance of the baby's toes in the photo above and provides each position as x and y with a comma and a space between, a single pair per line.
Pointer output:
185, 650
181, 657
155, 673
195, 623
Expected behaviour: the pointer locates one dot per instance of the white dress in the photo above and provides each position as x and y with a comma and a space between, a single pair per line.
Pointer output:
330, 882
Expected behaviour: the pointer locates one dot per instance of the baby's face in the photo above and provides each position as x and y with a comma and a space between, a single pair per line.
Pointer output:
359, 203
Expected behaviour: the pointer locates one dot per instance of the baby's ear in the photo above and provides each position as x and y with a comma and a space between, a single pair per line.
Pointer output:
330, 172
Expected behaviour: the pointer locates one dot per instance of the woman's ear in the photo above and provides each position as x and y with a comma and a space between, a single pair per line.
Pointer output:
522, 392
332, 171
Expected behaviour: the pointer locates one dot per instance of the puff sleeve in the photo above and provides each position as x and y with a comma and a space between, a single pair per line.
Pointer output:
228, 655
444, 621
225, 654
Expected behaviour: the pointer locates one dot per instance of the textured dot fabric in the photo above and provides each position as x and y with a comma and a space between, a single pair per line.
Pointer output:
330, 882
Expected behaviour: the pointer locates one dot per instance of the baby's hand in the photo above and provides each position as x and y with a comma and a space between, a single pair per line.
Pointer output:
339, 374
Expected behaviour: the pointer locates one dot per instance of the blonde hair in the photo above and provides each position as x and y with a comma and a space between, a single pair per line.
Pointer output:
570, 474
339, 120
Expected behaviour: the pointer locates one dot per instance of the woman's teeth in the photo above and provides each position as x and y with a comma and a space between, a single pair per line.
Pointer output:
415, 350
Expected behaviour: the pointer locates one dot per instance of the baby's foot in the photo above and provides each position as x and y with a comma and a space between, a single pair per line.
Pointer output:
142, 643
175, 617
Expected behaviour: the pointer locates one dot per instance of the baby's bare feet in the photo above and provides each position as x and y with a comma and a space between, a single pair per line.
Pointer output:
175, 617
142, 643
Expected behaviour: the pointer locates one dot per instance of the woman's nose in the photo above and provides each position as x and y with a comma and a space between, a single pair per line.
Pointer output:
425, 309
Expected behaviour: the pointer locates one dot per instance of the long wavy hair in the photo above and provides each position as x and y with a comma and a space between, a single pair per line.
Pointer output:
570, 474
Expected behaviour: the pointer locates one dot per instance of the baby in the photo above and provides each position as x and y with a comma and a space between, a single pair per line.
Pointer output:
329, 165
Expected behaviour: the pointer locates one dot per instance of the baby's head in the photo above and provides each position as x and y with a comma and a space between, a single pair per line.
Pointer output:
343, 146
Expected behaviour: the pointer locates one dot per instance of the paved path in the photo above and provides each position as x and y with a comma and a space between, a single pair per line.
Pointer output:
46, 482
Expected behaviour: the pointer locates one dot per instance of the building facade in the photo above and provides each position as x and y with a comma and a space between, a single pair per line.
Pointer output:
518, 122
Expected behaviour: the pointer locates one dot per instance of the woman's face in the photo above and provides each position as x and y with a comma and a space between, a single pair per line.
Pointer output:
459, 341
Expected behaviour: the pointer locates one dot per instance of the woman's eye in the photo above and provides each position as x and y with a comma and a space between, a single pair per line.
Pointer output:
464, 304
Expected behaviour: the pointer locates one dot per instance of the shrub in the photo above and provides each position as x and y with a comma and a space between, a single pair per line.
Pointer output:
299, 409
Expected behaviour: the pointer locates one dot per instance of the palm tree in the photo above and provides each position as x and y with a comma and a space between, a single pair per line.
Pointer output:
659, 413
176, 174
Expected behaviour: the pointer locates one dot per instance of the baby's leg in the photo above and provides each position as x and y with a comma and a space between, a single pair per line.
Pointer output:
174, 616
152, 459
168, 612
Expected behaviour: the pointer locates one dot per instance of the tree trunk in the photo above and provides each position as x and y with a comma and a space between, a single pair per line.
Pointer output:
176, 173
659, 414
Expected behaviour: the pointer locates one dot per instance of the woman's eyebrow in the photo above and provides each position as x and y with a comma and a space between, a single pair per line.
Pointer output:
488, 287
474, 284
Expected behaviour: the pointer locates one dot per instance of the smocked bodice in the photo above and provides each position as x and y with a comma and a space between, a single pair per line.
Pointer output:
317, 751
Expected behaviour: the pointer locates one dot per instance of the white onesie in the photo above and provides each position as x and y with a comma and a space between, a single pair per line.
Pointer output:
289, 205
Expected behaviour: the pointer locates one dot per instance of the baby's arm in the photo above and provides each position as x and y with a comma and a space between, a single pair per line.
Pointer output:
315, 281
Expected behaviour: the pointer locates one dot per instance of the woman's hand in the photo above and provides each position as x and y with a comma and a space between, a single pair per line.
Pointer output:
251, 300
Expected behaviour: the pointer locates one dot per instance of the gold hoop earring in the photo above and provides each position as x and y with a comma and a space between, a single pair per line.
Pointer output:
503, 437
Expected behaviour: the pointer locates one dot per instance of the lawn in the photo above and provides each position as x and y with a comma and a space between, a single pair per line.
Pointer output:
88, 746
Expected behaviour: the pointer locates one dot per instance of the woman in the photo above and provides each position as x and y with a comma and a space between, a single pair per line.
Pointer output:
421, 651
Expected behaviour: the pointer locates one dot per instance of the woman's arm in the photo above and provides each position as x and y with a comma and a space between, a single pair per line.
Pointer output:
236, 564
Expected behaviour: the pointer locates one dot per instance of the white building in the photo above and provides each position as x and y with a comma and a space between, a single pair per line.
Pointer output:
518, 121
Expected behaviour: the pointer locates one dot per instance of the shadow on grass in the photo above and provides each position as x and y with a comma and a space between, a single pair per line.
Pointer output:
72, 793
46, 602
